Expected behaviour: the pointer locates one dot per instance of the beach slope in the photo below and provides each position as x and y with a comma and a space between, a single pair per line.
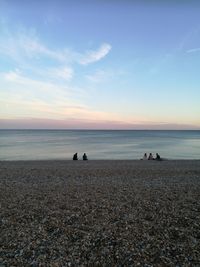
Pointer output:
100, 213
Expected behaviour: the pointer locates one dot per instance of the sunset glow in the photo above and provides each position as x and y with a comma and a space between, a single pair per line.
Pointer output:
99, 64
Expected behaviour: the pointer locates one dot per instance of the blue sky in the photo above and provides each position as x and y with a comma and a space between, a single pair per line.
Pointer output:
100, 64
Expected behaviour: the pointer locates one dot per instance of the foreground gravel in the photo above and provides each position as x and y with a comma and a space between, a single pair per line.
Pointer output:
100, 213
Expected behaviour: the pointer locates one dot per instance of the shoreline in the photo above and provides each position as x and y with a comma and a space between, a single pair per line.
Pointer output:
96, 160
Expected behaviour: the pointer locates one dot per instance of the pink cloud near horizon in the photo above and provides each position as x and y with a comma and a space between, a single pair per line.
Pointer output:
34, 123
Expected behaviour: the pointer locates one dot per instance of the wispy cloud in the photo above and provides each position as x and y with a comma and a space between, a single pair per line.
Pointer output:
81, 123
65, 73
98, 76
161, 62
21, 96
193, 50
33, 47
189, 37
16, 78
39, 83
93, 56
104, 75
16, 81
18, 107
23, 47
23, 44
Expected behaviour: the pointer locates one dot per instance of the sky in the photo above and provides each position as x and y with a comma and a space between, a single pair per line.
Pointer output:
99, 64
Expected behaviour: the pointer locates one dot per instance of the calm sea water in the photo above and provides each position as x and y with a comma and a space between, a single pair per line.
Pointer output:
62, 144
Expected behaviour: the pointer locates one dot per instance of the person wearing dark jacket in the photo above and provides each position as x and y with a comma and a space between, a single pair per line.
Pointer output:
75, 157
158, 157
85, 157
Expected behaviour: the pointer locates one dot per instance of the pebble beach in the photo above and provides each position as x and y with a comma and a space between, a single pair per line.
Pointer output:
100, 213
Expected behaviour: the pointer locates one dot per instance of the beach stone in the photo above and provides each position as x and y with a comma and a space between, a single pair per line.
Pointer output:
116, 213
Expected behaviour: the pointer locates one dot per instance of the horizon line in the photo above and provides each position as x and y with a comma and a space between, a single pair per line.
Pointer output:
92, 129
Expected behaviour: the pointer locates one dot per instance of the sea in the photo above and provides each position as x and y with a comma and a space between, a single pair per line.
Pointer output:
98, 144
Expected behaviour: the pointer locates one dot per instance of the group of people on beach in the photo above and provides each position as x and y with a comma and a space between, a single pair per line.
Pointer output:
75, 156
150, 157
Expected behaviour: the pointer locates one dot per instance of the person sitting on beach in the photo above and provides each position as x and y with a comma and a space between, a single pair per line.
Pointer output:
145, 156
158, 157
85, 157
150, 157
75, 157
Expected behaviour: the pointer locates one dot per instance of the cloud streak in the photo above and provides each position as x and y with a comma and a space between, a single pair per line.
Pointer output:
21, 96
98, 76
25, 44
94, 56
38, 89
193, 50
16, 79
64, 73
45, 123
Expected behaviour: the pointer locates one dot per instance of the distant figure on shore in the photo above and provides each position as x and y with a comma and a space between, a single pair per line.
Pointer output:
85, 157
75, 157
158, 157
150, 157
145, 156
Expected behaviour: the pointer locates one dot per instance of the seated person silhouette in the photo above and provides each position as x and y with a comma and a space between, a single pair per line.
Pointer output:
85, 157
158, 157
145, 156
75, 157
150, 157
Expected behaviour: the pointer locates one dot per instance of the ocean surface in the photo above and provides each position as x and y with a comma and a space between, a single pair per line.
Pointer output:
98, 144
